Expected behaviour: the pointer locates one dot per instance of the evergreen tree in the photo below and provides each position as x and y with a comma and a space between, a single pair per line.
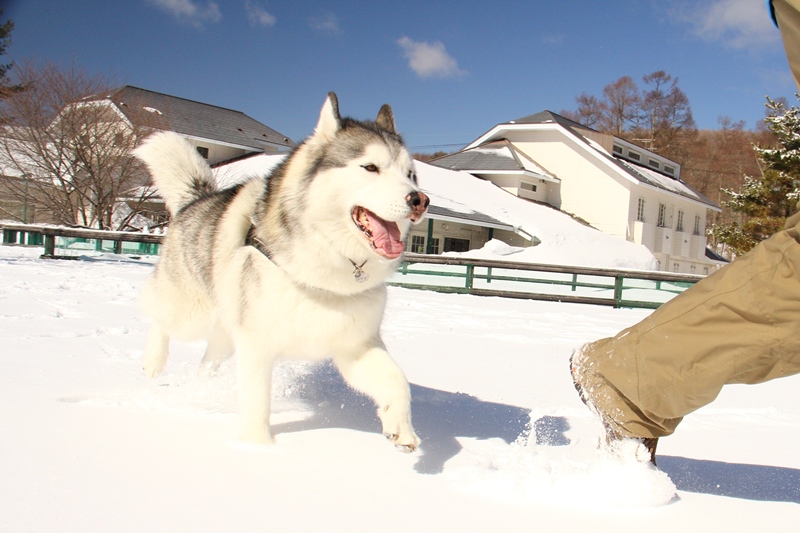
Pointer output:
766, 202
5, 41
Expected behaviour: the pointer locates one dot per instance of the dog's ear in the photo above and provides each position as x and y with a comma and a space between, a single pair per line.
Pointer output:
329, 119
386, 119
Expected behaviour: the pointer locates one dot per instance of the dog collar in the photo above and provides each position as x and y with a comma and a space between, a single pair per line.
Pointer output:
251, 240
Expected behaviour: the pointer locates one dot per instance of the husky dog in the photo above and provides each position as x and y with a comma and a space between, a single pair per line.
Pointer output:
291, 265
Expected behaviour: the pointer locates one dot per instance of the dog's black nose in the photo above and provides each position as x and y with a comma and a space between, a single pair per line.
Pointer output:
418, 202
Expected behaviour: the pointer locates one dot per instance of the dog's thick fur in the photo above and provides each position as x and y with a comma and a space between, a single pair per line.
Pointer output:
291, 265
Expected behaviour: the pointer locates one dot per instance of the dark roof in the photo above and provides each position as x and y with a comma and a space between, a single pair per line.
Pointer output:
474, 217
711, 254
657, 179
477, 160
195, 119
548, 116
494, 156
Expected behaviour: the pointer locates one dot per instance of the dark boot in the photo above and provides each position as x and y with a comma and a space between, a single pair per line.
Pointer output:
651, 444
611, 436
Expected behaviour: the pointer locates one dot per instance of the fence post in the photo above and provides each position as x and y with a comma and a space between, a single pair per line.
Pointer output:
49, 245
574, 282
470, 276
618, 279
488, 274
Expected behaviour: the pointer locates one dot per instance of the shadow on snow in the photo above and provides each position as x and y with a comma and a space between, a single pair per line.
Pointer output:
438, 416
749, 482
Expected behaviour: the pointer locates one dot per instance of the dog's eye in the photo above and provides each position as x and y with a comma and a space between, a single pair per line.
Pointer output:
412, 176
370, 168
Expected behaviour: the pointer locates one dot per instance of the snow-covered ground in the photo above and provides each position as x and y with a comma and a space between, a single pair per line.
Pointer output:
90, 444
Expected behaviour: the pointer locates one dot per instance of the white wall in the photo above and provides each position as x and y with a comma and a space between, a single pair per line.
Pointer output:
586, 190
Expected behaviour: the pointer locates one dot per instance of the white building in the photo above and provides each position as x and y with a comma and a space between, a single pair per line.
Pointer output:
615, 186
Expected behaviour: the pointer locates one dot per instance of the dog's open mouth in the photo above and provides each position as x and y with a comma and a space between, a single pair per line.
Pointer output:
383, 236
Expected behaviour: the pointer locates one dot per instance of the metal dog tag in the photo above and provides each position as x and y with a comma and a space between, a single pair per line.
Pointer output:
358, 274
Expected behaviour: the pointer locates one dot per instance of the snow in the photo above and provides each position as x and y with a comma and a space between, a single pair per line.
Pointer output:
90, 444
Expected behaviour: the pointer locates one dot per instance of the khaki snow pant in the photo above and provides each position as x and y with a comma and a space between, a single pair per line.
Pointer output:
738, 325
787, 13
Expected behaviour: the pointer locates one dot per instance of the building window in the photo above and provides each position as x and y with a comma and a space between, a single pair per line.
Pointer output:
669, 170
203, 151
654, 163
640, 211
662, 215
679, 226
618, 149
456, 245
697, 224
693, 269
418, 244
705, 271
527, 186
435, 245
634, 156
676, 267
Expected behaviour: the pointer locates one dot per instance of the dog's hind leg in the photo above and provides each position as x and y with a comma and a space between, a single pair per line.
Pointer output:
156, 351
377, 375
220, 348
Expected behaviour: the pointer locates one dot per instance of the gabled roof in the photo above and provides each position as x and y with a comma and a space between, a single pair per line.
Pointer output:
632, 171
499, 156
195, 119
472, 218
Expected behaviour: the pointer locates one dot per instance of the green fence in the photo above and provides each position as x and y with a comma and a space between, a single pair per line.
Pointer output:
618, 288
61, 242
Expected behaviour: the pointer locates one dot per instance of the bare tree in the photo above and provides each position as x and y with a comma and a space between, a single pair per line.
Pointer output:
657, 116
69, 148
622, 100
591, 111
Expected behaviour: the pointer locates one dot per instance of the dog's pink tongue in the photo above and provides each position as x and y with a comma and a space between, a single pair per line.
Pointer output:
385, 236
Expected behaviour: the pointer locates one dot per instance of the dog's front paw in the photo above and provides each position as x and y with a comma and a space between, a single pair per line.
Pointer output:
153, 365
406, 445
397, 428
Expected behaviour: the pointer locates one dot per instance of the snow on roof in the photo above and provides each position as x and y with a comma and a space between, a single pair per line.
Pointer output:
661, 181
564, 241
245, 168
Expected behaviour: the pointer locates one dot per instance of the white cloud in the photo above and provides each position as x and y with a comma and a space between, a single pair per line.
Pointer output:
327, 24
191, 11
734, 23
258, 15
553, 38
429, 59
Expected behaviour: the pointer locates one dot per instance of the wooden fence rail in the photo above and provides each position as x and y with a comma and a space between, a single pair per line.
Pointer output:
46, 235
599, 286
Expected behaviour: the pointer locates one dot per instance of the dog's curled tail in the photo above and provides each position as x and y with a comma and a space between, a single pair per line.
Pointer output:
179, 173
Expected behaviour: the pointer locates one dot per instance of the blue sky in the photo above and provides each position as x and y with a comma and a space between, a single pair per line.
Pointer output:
450, 70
